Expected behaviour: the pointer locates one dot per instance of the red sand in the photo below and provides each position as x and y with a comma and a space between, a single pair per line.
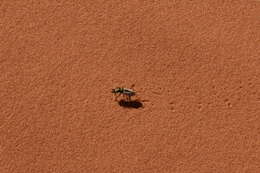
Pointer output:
196, 65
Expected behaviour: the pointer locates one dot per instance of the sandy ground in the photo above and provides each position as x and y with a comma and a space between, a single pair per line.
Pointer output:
194, 65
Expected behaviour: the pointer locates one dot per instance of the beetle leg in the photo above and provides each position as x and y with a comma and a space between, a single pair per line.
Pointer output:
117, 96
128, 97
125, 96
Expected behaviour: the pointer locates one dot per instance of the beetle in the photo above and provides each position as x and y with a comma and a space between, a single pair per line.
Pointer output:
126, 92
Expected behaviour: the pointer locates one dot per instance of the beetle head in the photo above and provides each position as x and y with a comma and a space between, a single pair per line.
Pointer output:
116, 90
